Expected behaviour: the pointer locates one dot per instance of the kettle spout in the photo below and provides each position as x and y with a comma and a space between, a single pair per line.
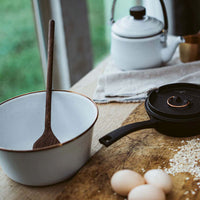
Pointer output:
170, 48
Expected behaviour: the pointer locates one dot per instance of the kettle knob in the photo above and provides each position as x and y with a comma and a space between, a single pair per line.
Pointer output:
138, 12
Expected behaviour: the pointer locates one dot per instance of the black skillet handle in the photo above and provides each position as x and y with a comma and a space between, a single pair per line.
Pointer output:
115, 135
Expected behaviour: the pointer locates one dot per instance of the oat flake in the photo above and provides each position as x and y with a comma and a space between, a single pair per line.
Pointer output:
187, 159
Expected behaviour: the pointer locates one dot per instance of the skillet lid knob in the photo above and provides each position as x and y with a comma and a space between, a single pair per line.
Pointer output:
177, 102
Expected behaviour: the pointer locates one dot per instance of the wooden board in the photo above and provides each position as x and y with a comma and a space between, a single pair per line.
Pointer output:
139, 151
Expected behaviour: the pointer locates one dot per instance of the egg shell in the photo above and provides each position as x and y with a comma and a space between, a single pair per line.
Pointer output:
159, 178
146, 192
125, 180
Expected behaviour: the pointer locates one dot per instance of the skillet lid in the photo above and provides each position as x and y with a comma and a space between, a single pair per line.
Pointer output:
175, 101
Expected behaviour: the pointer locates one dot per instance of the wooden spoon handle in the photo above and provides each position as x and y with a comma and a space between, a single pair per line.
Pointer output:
49, 73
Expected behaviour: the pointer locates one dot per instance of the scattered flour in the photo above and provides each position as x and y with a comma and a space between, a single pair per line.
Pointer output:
187, 159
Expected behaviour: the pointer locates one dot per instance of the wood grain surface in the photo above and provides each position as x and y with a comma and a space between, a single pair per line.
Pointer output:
140, 151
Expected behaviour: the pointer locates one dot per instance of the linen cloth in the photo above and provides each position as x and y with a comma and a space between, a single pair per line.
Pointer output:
116, 85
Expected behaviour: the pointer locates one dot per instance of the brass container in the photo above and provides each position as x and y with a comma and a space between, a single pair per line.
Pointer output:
190, 50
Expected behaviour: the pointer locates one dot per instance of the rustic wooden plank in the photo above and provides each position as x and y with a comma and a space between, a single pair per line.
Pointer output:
139, 151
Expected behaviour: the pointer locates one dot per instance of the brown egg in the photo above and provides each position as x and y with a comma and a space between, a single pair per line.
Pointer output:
159, 178
146, 192
125, 180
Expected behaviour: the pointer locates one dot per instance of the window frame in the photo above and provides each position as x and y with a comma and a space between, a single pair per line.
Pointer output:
73, 52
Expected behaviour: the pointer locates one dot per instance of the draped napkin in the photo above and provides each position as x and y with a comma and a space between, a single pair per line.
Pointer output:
116, 85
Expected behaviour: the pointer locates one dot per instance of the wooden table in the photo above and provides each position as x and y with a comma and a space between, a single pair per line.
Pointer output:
111, 116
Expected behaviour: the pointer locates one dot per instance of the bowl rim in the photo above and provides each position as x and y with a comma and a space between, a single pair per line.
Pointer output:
55, 145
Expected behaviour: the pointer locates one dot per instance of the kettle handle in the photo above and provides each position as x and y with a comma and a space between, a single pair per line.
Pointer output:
165, 30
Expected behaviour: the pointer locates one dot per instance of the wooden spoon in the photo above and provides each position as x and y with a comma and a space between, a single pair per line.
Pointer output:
48, 138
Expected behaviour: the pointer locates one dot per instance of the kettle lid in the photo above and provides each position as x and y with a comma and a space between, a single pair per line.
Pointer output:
137, 24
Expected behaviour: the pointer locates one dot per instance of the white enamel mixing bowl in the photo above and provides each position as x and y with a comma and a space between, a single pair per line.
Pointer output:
22, 123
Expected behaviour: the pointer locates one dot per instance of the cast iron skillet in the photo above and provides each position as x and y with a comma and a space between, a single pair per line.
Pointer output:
173, 109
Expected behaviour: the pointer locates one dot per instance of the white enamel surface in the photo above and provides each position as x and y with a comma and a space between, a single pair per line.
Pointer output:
172, 44
22, 119
130, 27
129, 53
22, 122
47, 167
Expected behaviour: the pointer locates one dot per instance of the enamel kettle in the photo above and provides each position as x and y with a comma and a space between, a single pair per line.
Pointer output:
139, 41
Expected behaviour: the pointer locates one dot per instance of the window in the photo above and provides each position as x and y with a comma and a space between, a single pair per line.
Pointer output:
20, 66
